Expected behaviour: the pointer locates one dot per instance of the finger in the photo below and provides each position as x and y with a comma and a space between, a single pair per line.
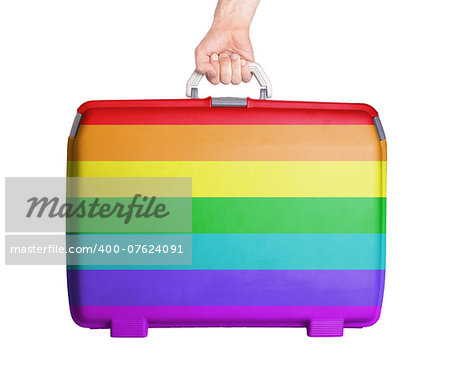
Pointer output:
214, 60
245, 70
236, 76
207, 69
202, 64
225, 68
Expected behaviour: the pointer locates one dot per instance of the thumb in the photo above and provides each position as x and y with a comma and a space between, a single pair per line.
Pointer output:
203, 66
206, 69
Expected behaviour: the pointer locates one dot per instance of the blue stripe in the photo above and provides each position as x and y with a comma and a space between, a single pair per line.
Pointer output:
261, 251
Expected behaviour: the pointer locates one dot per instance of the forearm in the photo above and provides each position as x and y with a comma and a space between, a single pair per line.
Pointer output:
236, 14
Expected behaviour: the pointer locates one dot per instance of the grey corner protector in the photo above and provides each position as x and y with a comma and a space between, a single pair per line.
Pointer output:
379, 127
76, 125
228, 101
263, 94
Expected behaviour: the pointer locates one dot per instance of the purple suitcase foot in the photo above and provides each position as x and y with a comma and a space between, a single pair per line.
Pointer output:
325, 328
129, 328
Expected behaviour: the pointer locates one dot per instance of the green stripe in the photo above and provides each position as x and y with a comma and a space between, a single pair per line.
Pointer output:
288, 215
250, 215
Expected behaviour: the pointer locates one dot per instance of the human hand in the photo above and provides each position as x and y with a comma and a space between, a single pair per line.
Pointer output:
224, 52
223, 56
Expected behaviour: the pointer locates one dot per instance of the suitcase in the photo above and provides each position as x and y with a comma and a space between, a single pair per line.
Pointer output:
287, 225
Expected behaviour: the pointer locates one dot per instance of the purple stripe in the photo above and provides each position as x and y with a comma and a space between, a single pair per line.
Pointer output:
184, 316
225, 287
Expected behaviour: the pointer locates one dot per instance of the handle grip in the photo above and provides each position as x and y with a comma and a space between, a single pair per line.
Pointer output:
255, 68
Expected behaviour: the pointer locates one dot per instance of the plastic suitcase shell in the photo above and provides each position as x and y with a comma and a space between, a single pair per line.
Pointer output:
288, 214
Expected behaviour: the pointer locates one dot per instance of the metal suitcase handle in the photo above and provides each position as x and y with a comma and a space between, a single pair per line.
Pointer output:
255, 68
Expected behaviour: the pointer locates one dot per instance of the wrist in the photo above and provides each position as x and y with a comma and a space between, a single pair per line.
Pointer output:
231, 24
234, 14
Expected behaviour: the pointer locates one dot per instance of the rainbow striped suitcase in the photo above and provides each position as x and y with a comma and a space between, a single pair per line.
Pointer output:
287, 213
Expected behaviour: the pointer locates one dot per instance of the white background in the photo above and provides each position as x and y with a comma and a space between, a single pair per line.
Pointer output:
393, 55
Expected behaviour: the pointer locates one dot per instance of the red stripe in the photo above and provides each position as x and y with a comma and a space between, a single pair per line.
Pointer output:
200, 112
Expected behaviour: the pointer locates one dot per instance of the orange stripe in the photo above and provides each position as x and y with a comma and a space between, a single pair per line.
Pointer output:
227, 143
383, 150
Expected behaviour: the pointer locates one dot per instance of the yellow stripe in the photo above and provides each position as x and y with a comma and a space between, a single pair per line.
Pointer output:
253, 178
